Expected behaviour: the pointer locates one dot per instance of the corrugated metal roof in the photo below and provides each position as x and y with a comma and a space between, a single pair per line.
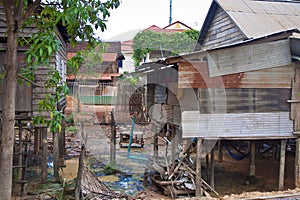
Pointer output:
259, 18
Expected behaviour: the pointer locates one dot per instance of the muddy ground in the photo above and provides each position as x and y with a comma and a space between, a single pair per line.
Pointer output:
231, 176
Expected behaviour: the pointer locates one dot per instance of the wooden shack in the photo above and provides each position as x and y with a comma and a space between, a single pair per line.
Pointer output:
96, 85
243, 78
29, 95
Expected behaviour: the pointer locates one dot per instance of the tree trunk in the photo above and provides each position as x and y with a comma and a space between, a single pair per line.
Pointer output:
7, 138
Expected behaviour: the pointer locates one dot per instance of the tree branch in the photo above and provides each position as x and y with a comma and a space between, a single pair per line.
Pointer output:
18, 10
30, 81
8, 12
29, 11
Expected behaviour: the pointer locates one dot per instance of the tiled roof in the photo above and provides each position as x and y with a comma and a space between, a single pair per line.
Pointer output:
107, 76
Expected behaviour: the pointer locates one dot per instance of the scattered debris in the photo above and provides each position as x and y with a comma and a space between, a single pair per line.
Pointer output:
93, 188
178, 178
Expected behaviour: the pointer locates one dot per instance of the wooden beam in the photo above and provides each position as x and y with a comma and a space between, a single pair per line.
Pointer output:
80, 173
198, 169
56, 162
174, 143
155, 143
282, 165
297, 164
37, 134
220, 149
252, 158
212, 168
62, 143
113, 140
207, 167
43, 131
20, 148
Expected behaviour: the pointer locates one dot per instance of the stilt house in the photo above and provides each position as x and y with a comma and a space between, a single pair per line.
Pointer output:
29, 95
242, 81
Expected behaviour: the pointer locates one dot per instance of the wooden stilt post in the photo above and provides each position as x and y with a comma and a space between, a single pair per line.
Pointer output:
252, 158
80, 173
62, 143
220, 149
282, 165
113, 139
56, 162
37, 135
174, 143
207, 167
198, 169
212, 168
155, 143
20, 149
43, 132
297, 164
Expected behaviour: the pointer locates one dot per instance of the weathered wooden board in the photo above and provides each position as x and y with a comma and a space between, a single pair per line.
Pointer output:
295, 101
236, 125
249, 57
222, 31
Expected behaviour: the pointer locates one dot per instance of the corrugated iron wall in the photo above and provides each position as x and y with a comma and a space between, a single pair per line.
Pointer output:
237, 125
248, 100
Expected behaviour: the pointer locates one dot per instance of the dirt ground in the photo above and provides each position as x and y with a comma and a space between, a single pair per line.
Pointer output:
231, 176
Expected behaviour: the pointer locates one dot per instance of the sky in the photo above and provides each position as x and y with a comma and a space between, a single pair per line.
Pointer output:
134, 15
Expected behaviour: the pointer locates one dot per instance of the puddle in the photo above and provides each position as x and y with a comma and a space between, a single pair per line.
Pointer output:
127, 184
120, 181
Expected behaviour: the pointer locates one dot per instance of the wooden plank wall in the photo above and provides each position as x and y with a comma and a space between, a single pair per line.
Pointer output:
222, 31
25, 32
58, 62
23, 94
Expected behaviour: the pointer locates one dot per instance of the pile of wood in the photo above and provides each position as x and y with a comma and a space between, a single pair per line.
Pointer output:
89, 187
178, 178
92, 188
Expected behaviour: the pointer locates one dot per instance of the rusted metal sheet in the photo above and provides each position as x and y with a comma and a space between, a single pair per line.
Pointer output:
248, 58
196, 75
237, 125
259, 18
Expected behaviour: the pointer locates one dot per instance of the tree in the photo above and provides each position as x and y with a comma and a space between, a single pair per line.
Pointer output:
80, 17
147, 41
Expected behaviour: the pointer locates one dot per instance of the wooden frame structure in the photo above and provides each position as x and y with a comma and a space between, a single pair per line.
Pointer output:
255, 70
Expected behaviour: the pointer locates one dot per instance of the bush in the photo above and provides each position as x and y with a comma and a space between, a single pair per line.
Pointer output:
70, 119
